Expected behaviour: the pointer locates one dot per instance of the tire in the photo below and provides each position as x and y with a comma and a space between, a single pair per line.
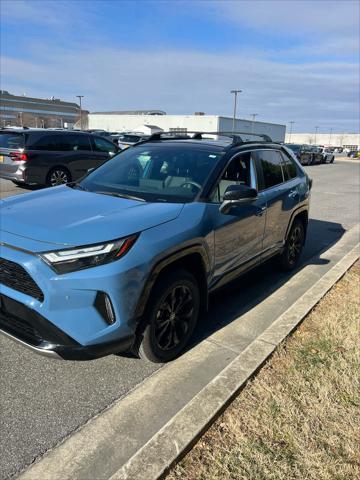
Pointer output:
58, 176
290, 256
166, 333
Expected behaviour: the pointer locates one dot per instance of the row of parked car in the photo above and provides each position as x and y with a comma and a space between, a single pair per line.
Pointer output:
312, 154
121, 139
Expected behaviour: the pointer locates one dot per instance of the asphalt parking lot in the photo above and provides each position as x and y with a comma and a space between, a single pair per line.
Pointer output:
43, 401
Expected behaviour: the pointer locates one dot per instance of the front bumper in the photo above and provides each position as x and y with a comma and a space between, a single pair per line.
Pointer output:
62, 314
32, 330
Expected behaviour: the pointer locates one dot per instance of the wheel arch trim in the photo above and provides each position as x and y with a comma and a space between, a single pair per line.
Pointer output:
162, 264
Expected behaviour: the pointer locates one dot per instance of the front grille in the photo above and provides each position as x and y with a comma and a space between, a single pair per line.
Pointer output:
15, 276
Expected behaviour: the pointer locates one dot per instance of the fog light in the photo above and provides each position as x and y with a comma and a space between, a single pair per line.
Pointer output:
104, 306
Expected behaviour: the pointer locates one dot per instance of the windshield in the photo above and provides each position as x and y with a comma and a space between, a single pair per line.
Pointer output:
12, 140
157, 173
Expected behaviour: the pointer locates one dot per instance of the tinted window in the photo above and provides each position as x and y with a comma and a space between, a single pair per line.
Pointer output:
76, 142
270, 164
155, 173
102, 145
290, 170
48, 142
12, 140
63, 143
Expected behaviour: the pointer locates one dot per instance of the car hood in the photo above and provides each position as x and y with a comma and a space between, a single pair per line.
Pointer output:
65, 216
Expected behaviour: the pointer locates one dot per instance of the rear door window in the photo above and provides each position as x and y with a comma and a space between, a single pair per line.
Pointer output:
269, 169
12, 140
76, 142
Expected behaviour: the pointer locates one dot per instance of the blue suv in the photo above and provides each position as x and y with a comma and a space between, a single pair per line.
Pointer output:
125, 259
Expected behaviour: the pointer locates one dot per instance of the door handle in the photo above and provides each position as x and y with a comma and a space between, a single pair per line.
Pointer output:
261, 211
292, 193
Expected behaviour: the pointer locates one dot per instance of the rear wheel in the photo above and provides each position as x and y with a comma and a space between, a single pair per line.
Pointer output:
58, 176
293, 246
172, 313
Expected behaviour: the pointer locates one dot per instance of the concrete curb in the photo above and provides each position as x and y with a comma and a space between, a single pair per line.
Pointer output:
142, 434
160, 453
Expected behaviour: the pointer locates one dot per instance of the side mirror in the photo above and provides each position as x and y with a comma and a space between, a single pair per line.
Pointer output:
237, 195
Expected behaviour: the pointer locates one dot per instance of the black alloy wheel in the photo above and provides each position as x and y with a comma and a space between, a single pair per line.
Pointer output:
293, 246
58, 176
173, 313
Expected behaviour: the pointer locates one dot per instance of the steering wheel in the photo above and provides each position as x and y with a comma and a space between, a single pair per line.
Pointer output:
192, 184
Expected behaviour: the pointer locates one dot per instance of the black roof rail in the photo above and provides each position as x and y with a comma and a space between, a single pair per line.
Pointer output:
235, 136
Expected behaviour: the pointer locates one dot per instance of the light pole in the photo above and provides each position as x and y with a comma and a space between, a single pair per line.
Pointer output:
330, 135
316, 131
235, 92
253, 116
291, 128
80, 97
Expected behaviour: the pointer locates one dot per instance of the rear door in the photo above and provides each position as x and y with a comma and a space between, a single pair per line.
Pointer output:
238, 234
277, 182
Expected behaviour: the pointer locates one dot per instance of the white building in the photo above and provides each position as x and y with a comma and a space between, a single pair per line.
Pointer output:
345, 140
119, 121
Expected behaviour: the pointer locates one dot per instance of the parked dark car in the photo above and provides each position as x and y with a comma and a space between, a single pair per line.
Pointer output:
126, 258
354, 154
50, 157
316, 155
302, 152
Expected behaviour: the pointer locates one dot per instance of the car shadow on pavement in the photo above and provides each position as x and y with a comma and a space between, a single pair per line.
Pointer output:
244, 293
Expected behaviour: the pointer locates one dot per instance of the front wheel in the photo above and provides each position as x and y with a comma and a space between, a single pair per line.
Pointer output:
293, 246
172, 314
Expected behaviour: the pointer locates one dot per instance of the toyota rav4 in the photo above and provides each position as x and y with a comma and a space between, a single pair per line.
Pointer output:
125, 259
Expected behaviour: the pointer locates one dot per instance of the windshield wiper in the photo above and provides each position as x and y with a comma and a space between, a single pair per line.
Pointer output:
122, 195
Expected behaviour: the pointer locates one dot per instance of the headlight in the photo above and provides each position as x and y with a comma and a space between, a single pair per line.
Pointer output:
69, 260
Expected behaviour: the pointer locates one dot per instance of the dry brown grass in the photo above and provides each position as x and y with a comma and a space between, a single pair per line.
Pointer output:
299, 417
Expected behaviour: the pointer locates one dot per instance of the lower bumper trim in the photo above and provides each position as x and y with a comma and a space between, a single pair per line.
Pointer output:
42, 351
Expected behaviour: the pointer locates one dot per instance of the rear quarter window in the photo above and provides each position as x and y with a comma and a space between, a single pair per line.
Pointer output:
12, 140
289, 167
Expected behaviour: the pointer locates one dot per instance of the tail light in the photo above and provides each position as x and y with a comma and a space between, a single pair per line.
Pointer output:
18, 156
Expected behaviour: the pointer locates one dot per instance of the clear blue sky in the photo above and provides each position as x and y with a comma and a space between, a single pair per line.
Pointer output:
294, 60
